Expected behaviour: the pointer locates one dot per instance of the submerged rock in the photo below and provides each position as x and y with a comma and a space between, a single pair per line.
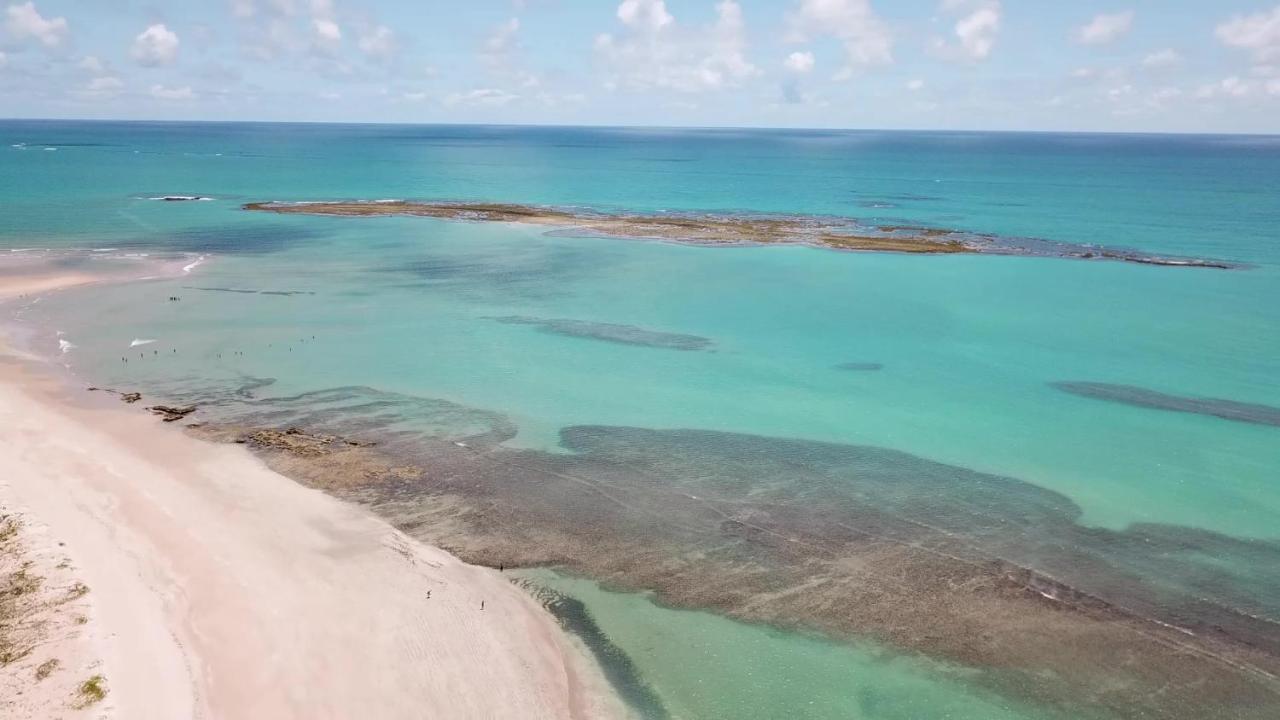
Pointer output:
129, 397
297, 442
169, 413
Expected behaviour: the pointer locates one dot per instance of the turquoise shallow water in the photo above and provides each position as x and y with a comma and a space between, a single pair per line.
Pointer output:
751, 672
966, 346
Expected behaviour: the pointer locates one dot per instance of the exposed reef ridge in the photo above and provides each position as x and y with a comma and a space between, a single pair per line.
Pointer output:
993, 573
839, 233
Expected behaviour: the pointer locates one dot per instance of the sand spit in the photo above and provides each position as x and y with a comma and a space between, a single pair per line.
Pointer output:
735, 229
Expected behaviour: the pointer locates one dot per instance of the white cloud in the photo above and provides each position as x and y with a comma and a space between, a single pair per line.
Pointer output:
728, 45
554, 100
501, 54
976, 30
645, 14
157, 45
105, 86
160, 92
480, 97
655, 52
865, 36
26, 22
1273, 86
1162, 59
914, 85
1120, 91
4, 60
378, 42
1105, 27
327, 31
92, 65
499, 46
799, 62
1236, 87
244, 9
1231, 86
1259, 33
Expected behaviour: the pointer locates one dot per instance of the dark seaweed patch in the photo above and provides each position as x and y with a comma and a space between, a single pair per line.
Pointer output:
533, 272
611, 332
618, 668
238, 238
251, 385
1255, 413
248, 291
860, 366
354, 411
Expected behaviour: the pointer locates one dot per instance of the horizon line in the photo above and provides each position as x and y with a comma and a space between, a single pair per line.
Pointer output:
604, 126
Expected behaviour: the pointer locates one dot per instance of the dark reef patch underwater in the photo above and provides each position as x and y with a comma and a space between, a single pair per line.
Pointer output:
1152, 399
611, 332
860, 366
617, 667
851, 541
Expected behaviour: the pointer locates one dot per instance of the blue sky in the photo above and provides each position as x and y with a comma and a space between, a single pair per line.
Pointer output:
1111, 65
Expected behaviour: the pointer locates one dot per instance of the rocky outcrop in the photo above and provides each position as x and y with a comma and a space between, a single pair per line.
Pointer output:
169, 413
297, 442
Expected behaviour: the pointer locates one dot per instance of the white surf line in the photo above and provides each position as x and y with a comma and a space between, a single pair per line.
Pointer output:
186, 269
139, 341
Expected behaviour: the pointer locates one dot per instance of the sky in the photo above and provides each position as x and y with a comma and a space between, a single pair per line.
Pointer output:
1088, 65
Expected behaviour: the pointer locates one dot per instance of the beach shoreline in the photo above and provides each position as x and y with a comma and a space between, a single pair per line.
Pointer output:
207, 585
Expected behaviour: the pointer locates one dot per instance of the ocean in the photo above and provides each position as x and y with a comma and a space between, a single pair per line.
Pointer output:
862, 485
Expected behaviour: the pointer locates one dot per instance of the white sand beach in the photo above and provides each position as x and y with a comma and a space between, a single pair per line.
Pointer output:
213, 587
